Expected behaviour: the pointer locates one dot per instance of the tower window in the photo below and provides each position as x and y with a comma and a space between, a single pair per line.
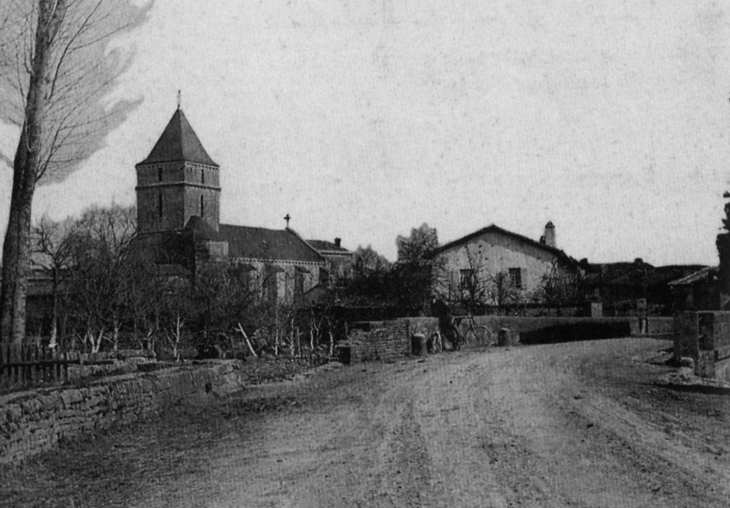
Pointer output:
159, 205
159, 174
202, 176
202, 205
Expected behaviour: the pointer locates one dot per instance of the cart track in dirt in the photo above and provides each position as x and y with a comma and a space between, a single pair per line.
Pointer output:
580, 424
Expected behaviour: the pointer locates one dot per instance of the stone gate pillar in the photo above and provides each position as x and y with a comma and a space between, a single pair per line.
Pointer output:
723, 250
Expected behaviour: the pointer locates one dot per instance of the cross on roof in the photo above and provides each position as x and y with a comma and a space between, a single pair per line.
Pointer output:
287, 218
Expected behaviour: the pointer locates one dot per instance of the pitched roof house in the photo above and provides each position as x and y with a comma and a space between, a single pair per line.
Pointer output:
496, 266
700, 290
178, 205
339, 261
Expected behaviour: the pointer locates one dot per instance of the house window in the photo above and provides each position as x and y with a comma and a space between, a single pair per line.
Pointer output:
159, 205
515, 277
324, 277
466, 279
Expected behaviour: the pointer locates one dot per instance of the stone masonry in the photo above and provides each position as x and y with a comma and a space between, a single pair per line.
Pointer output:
390, 340
704, 337
34, 421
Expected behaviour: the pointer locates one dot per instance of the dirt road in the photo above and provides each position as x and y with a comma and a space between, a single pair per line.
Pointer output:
582, 424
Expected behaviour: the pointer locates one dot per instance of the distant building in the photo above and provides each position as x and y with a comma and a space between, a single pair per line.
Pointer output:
338, 267
495, 262
624, 287
700, 290
178, 202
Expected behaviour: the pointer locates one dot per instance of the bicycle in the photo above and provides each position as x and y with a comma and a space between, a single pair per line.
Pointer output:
475, 335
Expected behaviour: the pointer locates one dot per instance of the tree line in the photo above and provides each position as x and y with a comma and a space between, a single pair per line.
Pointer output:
107, 292
57, 71
419, 276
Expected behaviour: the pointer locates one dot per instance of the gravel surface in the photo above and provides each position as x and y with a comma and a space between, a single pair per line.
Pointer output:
582, 424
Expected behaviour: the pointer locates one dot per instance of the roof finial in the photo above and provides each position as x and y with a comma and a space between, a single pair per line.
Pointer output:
179, 99
287, 219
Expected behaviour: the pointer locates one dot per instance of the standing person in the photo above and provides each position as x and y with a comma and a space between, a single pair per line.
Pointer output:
447, 323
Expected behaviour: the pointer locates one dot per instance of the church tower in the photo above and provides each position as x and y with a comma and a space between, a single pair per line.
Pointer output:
178, 180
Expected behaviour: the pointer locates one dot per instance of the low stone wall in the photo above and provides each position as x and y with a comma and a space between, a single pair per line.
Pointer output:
660, 326
34, 421
425, 325
540, 330
377, 341
704, 337
389, 340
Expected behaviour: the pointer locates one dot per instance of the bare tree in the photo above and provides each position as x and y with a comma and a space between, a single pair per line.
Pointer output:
52, 253
102, 272
473, 287
177, 307
501, 291
559, 287
55, 77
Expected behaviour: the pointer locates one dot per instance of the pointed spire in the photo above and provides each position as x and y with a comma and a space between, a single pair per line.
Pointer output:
179, 142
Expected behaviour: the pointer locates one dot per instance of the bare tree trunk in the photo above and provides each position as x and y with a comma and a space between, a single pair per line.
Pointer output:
16, 250
16, 260
248, 342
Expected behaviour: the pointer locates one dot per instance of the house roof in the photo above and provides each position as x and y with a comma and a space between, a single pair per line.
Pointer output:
622, 272
701, 275
493, 228
668, 273
330, 247
179, 142
637, 273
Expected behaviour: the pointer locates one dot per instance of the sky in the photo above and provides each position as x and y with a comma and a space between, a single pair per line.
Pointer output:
364, 119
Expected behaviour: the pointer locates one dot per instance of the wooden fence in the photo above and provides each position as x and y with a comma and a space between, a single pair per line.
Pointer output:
24, 365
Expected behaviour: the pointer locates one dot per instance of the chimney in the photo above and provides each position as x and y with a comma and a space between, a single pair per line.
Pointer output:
338, 241
550, 235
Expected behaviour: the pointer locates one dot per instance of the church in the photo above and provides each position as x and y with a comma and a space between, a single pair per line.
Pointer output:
178, 206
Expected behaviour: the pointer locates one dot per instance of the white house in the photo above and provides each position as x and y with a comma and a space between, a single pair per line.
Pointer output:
493, 266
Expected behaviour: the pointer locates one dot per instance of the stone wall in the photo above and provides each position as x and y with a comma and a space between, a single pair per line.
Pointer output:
704, 337
389, 340
602, 327
686, 343
425, 325
34, 421
660, 326
540, 330
377, 341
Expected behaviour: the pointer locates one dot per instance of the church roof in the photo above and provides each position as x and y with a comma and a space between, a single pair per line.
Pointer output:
179, 142
267, 244
202, 229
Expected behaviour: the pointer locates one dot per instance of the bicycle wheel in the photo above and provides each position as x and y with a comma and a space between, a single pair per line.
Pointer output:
471, 339
478, 336
486, 337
